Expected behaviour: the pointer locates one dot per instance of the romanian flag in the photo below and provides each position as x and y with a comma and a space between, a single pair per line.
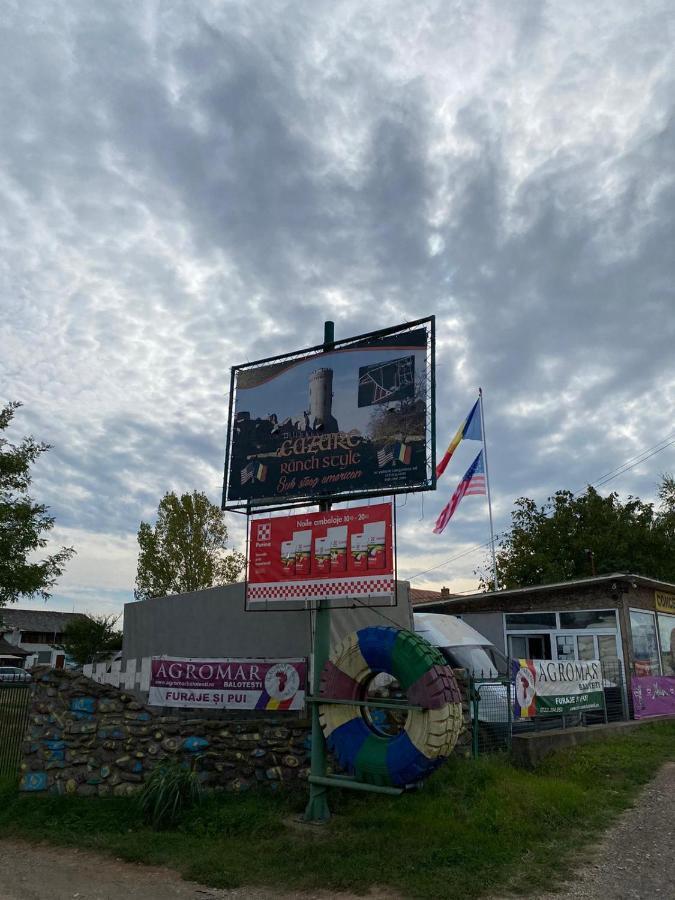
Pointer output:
469, 430
404, 454
261, 472
472, 483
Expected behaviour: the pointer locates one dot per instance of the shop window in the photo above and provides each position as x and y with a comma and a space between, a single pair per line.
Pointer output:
44, 657
530, 646
593, 618
530, 621
585, 647
607, 648
565, 646
645, 647
667, 641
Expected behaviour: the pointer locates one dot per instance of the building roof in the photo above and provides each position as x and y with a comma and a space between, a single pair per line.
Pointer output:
7, 649
35, 619
422, 595
496, 599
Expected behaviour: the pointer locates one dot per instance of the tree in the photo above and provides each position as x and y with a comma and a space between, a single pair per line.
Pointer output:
554, 542
185, 551
89, 639
23, 522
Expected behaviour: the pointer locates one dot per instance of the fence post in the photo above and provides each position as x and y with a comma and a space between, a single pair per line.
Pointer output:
475, 699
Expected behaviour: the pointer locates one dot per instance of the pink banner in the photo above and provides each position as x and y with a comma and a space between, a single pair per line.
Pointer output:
653, 696
271, 684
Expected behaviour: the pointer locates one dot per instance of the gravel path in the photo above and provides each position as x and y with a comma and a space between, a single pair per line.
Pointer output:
636, 858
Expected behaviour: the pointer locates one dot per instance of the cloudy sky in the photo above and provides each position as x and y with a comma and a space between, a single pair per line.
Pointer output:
189, 185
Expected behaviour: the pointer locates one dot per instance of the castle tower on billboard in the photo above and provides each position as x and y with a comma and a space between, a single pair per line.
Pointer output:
321, 400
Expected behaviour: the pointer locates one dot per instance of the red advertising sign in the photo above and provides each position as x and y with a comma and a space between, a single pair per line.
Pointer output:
331, 555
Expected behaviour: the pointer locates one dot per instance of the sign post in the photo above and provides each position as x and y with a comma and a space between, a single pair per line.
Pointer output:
317, 805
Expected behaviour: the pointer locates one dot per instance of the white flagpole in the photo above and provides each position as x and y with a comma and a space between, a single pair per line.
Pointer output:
487, 481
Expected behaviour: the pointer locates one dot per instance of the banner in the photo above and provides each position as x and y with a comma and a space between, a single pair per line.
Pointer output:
277, 684
335, 555
653, 696
347, 421
546, 687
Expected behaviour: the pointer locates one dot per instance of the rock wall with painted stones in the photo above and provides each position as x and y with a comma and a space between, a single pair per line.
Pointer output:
94, 739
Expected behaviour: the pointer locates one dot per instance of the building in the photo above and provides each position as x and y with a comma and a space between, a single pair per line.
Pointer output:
622, 619
36, 632
215, 623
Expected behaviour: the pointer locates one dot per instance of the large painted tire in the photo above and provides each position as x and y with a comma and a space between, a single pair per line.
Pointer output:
429, 733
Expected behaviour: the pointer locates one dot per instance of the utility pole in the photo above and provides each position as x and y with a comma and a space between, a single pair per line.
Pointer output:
317, 806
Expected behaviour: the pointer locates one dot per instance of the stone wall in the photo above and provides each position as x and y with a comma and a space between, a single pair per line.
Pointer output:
94, 739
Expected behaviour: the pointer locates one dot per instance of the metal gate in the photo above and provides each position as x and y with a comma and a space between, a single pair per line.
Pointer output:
14, 710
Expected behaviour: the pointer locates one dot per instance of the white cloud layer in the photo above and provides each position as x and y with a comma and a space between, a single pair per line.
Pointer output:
186, 186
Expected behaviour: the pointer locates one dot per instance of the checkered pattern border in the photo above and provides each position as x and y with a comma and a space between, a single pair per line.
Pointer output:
307, 590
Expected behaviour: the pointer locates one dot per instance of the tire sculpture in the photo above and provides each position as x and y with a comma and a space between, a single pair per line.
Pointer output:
429, 734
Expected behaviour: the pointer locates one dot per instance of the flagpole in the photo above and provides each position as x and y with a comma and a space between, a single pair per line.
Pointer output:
487, 481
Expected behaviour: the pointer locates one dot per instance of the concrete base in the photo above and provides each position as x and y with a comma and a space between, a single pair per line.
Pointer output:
530, 749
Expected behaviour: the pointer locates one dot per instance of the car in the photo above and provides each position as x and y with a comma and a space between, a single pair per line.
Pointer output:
467, 649
14, 674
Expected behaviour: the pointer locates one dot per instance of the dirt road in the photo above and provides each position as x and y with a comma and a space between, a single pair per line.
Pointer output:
636, 858
634, 861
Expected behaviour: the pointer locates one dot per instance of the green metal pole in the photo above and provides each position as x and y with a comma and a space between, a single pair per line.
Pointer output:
317, 805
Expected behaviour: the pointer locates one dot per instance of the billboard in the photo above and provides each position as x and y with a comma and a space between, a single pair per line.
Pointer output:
277, 684
355, 420
339, 556
544, 687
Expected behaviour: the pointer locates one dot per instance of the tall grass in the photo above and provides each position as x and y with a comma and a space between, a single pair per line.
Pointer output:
170, 790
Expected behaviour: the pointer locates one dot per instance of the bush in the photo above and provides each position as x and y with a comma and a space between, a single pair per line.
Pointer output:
171, 789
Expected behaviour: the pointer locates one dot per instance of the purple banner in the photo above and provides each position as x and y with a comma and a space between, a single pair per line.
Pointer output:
271, 684
653, 696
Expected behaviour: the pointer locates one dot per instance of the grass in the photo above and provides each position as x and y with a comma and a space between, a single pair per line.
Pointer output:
478, 827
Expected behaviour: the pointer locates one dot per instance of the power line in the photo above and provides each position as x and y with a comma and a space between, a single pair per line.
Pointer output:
629, 464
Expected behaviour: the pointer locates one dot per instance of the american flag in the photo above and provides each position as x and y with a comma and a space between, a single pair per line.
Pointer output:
472, 483
247, 474
385, 455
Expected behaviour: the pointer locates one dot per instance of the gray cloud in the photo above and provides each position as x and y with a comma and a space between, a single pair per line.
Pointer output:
188, 186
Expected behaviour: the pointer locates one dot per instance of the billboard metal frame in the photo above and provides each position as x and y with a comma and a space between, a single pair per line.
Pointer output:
272, 504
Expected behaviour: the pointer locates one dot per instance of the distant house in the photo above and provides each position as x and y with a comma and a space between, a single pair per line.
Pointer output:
34, 636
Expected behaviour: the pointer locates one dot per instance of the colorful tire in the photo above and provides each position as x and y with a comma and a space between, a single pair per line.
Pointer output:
429, 734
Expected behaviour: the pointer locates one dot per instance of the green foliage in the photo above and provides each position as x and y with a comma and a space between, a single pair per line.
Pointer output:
552, 542
92, 638
171, 790
478, 827
185, 550
23, 522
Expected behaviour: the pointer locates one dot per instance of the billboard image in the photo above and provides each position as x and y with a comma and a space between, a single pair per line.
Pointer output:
337, 555
350, 421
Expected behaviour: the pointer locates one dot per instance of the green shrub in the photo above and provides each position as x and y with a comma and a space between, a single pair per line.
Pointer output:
172, 788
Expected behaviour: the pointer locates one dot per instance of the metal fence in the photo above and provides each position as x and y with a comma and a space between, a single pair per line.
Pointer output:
490, 703
14, 711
